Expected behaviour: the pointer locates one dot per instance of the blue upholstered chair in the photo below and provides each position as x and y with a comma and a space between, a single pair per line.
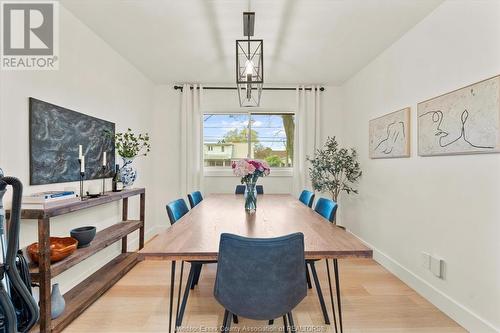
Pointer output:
307, 198
260, 278
240, 189
176, 209
326, 208
194, 198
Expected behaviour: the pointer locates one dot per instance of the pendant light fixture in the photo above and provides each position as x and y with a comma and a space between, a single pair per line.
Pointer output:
249, 64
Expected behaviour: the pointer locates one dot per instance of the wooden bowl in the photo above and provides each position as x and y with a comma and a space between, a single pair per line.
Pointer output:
60, 248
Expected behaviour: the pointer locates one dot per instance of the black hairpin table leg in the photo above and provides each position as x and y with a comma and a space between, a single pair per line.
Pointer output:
177, 324
172, 282
331, 295
337, 287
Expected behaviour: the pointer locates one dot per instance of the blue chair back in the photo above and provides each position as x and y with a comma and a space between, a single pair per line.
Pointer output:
260, 189
240, 189
176, 209
307, 198
194, 198
260, 278
326, 208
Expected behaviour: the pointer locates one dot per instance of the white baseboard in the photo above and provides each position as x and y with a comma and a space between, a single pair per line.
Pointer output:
462, 315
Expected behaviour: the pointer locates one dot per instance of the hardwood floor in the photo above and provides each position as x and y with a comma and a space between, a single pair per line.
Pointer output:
374, 301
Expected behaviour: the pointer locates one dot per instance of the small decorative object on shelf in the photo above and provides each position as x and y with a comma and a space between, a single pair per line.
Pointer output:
94, 191
84, 235
250, 171
128, 174
117, 184
57, 302
103, 170
60, 248
129, 146
81, 161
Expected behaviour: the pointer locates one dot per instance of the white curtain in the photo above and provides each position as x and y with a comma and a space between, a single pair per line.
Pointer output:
307, 134
191, 140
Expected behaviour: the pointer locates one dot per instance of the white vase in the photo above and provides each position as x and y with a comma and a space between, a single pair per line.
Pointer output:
57, 302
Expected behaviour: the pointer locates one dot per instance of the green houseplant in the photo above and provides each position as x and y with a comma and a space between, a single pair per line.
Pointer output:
130, 145
334, 170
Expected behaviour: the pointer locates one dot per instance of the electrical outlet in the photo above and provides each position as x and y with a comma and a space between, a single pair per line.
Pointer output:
437, 266
425, 260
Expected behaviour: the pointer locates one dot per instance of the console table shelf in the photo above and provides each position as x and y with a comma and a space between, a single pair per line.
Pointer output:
102, 240
89, 290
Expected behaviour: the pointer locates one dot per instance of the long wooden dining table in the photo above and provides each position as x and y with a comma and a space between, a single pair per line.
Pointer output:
195, 237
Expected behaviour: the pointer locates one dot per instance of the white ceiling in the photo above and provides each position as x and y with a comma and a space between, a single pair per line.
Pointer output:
305, 41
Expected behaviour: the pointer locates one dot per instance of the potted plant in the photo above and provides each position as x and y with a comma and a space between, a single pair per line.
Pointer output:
129, 145
250, 171
334, 170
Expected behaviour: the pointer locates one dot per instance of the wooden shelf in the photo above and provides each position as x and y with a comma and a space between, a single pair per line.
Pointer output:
73, 206
103, 239
88, 291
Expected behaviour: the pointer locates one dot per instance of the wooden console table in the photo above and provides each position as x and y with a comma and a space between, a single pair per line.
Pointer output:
88, 291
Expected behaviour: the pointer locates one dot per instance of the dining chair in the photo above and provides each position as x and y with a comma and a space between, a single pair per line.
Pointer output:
195, 198
175, 210
240, 189
326, 208
307, 198
260, 278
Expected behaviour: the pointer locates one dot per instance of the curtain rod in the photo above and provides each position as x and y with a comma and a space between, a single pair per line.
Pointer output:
265, 88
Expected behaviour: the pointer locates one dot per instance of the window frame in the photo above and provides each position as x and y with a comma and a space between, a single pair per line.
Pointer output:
218, 171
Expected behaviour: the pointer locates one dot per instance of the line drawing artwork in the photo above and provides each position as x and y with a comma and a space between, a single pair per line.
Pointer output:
464, 121
389, 135
437, 117
394, 129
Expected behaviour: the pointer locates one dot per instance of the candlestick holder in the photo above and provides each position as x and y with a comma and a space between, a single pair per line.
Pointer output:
103, 170
82, 177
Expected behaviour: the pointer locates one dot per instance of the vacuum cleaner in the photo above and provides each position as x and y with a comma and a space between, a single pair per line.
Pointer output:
19, 311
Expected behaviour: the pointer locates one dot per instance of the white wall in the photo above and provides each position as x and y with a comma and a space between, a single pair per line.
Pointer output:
447, 205
167, 129
92, 79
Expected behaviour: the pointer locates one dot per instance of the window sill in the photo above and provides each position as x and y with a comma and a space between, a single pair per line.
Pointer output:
228, 172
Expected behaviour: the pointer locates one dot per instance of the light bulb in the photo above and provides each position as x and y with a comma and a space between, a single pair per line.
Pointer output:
249, 67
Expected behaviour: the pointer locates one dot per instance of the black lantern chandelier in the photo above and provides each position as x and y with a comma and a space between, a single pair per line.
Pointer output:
249, 64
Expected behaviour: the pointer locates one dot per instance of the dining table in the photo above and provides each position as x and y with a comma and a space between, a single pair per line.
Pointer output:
195, 237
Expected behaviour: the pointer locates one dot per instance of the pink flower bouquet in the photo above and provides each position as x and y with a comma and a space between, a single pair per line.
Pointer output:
249, 170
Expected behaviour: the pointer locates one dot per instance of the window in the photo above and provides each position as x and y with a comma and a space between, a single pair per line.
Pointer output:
265, 136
